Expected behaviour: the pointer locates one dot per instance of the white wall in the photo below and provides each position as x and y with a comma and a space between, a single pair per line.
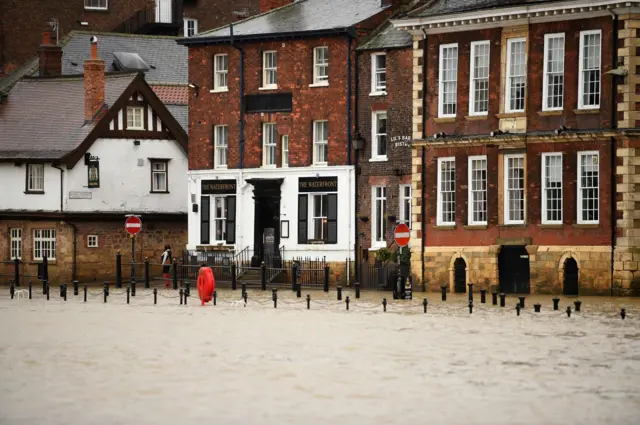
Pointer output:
124, 185
245, 208
13, 186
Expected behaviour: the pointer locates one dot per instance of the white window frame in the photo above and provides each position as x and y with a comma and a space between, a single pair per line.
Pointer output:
221, 144
105, 7
439, 209
403, 205
441, 82
506, 191
580, 188
33, 177
320, 81
186, 23
473, 80
134, 110
285, 150
378, 230
214, 219
318, 143
470, 199
375, 136
44, 236
266, 70
220, 74
312, 217
154, 188
544, 188
507, 97
581, 70
269, 144
546, 73
92, 241
376, 88
15, 243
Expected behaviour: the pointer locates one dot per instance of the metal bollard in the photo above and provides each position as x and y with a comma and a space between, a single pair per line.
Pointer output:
234, 276
424, 304
623, 313
502, 297
12, 289
133, 288
30, 288
444, 292
347, 301
215, 297
357, 286
147, 274
483, 296
181, 293
556, 301
470, 306
186, 295
245, 298
64, 291
518, 309
470, 285
47, 289
244, 289
84, 289
106, 289
128, 293
568, 311
522, 301
274, 295
339, 293
325, 284
536, 307
187, 291
308, 302
155, 296
577, 304
44, 286
298, 289
75, 288
61, 289
105, 295
263, 276
384, 304
494, 298
294, 277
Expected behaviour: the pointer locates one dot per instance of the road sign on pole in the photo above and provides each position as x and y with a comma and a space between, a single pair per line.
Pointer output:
402, 234
133, 225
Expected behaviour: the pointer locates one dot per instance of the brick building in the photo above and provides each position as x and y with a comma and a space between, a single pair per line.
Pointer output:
524, 146
271, 121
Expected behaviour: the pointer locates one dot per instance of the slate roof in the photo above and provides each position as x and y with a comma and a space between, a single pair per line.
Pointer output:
181, 114
302, 16
445, 7
388, 38
43, 118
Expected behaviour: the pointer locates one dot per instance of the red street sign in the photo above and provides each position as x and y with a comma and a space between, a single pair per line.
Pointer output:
133, 225
402, 234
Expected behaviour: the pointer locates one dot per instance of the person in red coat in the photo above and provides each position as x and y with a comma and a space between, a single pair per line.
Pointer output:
206, 284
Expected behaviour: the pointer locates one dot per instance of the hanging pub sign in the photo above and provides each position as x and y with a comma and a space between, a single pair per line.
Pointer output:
218, 187
93, 170
317, 184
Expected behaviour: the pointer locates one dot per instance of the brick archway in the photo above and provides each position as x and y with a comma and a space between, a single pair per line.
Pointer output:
563, 259
452, 262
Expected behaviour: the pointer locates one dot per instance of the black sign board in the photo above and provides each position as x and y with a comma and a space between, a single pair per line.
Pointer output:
93, 173
408, 288
317, 184
218, 187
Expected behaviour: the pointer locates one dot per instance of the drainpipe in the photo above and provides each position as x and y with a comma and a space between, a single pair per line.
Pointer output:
348, 99
61, 185
613, 144
73, 226
241, 95
423, 156
355, 162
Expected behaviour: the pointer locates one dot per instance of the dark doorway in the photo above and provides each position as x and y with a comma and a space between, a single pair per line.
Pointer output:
513, 269
570, 286
266, 236
460, 276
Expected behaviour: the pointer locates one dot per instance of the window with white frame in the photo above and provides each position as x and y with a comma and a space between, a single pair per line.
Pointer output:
96, 4
319, 217
379, 136
552, 188
378, 73
448, 87
321, 65
221, 72
405, 204
553, 84
516, 74
35, 177
446, 196
588, 187
44, 244
159, 176
221, 135
135, 118
589, 69
285, 150
479, 87
15, 235
190, 27
269, 70
514, 188
477, 190
219, 217
269, 137
92, 241
320, 142
378, 222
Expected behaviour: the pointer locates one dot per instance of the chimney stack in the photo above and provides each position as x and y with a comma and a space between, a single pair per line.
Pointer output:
50, 56
267, 5
93, 83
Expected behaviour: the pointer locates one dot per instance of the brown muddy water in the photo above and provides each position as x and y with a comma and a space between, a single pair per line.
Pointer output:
75, 363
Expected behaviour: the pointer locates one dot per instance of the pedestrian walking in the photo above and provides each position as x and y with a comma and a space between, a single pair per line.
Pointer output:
166, 265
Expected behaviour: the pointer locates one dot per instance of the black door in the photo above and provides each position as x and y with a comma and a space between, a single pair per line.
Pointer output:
266, 195
570, 286
513, 269
460, 276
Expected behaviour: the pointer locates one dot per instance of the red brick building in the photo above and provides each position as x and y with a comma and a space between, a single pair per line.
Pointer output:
523, 148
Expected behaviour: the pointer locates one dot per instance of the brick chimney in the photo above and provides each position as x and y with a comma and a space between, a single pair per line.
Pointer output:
50, 56
267, 5
93, 83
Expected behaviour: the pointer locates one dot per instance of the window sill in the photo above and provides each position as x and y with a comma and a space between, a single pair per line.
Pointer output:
96, 9
517, 114
586, 111
326, 84
34, 192
319, 164
379, 159
445, 227
159, 193
378, 93
586, 226
551, 225
444, 120
550, 113
224, 90
135, 128
269, 166
512, 226
268, 88
476, 117
476, 227
220, 167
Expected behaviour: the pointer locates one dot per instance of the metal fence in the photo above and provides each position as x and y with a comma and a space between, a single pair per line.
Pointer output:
379, 277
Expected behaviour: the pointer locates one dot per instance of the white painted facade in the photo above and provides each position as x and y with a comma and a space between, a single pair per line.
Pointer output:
245, 208
13, 180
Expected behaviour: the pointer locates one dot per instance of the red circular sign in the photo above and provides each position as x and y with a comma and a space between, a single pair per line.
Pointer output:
402, 234
133, 225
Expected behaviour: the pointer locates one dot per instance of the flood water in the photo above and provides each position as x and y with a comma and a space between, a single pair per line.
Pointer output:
75, 363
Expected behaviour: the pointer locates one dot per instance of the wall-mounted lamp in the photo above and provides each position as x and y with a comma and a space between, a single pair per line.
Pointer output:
620, 71
495, 133
195, 87
358, 142
560, 130
439, 135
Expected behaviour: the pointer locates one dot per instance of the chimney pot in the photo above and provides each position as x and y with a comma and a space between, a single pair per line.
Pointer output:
50, 56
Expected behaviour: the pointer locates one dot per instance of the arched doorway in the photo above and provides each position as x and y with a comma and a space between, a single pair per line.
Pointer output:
570, 284
460, 276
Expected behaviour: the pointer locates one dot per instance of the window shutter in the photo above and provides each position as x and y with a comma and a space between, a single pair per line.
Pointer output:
205, 220
332, 218
231, 220
303, 227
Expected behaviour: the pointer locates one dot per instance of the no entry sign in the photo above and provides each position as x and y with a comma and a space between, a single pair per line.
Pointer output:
402, 234
133, 225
